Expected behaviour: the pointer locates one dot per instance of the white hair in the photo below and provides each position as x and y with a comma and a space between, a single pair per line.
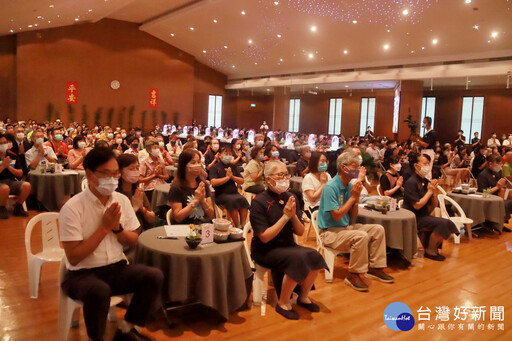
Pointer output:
271, 166
346, 158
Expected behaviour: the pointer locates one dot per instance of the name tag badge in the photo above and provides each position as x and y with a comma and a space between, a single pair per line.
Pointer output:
207, 234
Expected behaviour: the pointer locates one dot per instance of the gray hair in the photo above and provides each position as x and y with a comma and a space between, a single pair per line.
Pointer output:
346, 158
271, 166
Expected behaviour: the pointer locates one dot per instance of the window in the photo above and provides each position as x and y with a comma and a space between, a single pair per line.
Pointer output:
428, 108
367, 115
335, 116
214, 111
293, 118
472, 115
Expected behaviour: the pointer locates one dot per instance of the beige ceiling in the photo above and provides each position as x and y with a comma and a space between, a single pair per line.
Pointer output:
225, 43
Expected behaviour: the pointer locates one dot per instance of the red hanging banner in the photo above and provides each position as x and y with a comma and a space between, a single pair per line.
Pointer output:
153, 98
71, 92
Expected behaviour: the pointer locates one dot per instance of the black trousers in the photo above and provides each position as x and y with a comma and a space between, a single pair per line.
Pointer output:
95, 286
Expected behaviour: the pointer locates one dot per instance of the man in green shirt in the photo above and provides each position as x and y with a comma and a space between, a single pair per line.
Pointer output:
507, 167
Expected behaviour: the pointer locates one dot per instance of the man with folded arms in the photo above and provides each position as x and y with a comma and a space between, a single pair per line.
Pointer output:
94, 227
336, 215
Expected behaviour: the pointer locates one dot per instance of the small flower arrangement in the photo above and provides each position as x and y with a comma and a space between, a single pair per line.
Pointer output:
486, 192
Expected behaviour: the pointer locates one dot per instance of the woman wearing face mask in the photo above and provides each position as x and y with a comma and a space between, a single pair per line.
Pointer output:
391, 182
238, 155
314, 182
271, 153
392, 149
253, 172
119, 146
274, 220
420, 197
225, 178
133, 142
173, 147
152, 169
128, 185
189, 196
77, 154
212, 154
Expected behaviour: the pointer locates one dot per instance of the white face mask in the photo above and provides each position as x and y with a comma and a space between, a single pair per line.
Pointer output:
106, 186
155, 152
123, 136
20, 136
496, 169
39, 141
259, 144
281, 186
4, 147
397, 167
424, 171
81, 145
131, 176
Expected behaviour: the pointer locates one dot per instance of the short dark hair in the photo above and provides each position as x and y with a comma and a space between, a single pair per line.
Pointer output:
185, 157
493, 158
254, 152
132, 138
429, 121
98, 156
227, 149
101, 144
314, 160
77, 139
393, 160
125, 160
427, 157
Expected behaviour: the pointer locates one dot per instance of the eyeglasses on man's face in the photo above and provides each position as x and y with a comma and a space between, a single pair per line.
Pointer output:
108, 174
281, 176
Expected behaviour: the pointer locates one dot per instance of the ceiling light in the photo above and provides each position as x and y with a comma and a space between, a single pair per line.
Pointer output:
468, 1
11, 31
276, 3
405, 12
279, 36
280, 59
345, 51
494, 34
386, 46
313, 28
29, 25
243, 12
191, 28
204, 51
215, 21
489, 41
434, 41
49, 21
388, 31
310, 56
51, 6
39, 17
90, 10
172, 34
423, 47
35, 25
354, 21
255, 63
225, 46
233, 66
76, 19
249, 41
475, 27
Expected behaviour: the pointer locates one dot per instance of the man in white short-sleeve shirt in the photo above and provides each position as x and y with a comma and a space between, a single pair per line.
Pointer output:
94, 226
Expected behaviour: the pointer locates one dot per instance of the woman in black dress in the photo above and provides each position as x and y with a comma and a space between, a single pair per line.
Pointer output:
225, 177
189, 196
274, 219
391, 182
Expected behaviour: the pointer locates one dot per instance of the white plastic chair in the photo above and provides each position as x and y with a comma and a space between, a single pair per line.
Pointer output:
168, 216
260, 286
508, 189
52, 252
12, 199
461, 221
447, 179
85, 183
441, 189
68, 308
329, 254
379, 192
400, 203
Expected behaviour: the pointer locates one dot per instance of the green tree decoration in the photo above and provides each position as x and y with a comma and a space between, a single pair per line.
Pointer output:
130, 116
49, 111
97, 116
110, 116
84, 114
71, 113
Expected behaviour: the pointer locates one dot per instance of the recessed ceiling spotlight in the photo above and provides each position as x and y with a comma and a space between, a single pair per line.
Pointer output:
49, 21
494, 34
386, 46
215, 21
476, 27
191, 28
489, 41
11, 31
255, 63
233, 66
279, 36
313, 28
405, 12
345, 51
423, 47
354, 21
276, 3
29, 25
412, 51
39, 17
172, 34
434, 41
311, 56
204, 51
468, 1
243, 12
249, 41
35, 25
280, 59
225, 46
90, 10
388, 31
51, 6
76, 19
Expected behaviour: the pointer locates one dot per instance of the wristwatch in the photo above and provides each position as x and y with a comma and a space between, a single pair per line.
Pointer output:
121, 229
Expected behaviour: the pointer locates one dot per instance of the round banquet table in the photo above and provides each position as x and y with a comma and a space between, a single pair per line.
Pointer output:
216, 275
400, 227
159, 197
171, 170
296, 183
53, 189
481, 209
